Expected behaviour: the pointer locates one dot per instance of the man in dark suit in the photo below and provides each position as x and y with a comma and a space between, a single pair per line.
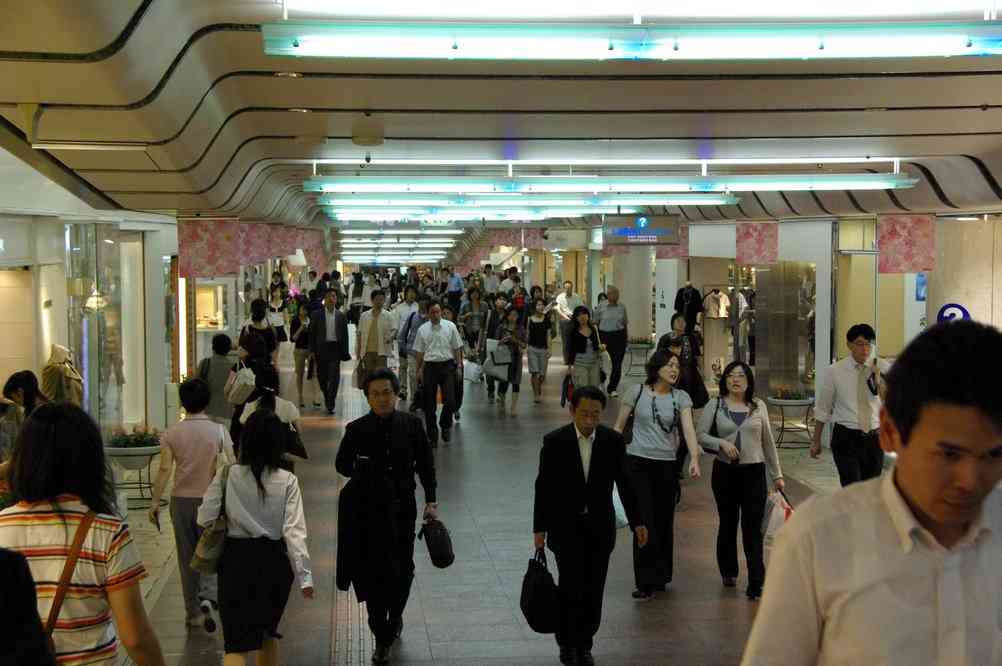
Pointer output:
381, 452
329, 344
573, 514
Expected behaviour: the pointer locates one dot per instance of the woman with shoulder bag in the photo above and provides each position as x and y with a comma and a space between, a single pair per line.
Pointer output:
584, 350
265, 548
67, 526
512, 337
660, 414
736, 427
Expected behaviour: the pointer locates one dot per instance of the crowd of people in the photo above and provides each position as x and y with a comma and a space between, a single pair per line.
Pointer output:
72, 559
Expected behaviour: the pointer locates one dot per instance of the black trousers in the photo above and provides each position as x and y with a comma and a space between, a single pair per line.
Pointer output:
565, 339
386, 608
615, 342
438, 375
858, 455
583, 565
455, 298
655, 486
329, 372
740, 493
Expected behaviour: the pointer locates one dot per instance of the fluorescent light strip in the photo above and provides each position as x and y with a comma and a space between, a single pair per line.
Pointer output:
475, 212
81, 145
349, 244
645, 9
594, 41
401, 232
751, 161
352, 201
744, 183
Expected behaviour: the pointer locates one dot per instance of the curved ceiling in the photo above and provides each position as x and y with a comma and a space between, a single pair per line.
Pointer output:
190, 79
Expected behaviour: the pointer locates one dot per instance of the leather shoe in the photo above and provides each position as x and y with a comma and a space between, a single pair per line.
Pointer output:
398, 626
446, 435
381, 654
585, 658
569, 656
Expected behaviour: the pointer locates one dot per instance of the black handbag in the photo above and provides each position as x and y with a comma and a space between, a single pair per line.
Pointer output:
439, 542
294, 443
713, 431
540, 602
566, 390
628, 427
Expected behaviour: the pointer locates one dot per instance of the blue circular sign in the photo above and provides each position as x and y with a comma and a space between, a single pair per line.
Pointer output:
952, 311
642, 222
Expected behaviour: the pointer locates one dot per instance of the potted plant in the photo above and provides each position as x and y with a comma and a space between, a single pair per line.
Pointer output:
134, 450
7, 498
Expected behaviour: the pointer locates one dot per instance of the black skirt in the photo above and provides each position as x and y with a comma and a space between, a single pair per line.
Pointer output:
255, 578
280, 335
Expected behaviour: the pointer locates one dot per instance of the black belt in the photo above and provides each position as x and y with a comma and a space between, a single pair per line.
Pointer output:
451, 360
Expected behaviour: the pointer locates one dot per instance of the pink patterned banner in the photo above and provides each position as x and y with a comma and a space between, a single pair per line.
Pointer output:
679, 251
255, 243
757, 243
208, 247
907, 243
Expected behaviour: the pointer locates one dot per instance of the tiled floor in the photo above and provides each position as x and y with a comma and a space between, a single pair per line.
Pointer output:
468, 614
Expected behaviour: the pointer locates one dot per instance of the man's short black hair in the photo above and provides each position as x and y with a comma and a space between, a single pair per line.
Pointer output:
381, 374
221, 344
566, 282
409, 288
864, 331
587, 392
954, 363
377, 292
432, 303
195, 395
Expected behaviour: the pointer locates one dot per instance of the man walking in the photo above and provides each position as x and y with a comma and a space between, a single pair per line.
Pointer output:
386, 448
903, 570
566, 301
402, 312
454, 290
573, 514
491, 281
329, 344
849, 399
439, 351
376, 331
612, 328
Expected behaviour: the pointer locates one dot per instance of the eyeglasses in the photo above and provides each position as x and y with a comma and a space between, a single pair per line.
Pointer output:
865, 344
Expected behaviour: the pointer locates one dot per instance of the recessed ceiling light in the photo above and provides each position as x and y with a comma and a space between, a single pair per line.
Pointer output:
288, 75
298, 110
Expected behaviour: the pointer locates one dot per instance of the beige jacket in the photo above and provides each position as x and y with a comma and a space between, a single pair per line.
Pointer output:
387, 323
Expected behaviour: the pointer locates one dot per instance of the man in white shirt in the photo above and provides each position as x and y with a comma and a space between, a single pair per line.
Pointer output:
849, 399
439, 351
376, 330
507, 284
402, 311
903, 570
567, 300
491, 280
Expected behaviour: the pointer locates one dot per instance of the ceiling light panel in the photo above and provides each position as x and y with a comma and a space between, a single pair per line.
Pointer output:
596, 186
527, 201
594, 41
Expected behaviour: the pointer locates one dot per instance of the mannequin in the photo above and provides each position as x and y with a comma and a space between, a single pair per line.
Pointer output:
715, 333
60, 380
689, 303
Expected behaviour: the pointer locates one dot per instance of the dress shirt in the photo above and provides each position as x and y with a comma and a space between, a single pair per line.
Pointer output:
491, 284
855, 579
330, 317
611, 318
438, 342
585, 445
566, 304
195, 444
455, 284
278, 516
506, 285
837, 400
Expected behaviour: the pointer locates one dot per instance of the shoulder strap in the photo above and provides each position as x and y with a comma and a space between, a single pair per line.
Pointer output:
226, 475
640, 392
68, 568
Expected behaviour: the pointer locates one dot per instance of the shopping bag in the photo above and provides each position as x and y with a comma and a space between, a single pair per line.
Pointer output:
777, 511
240, 385
210, 544
358, 376
498, 361
566, 390
539, 601
617, 504
472, 372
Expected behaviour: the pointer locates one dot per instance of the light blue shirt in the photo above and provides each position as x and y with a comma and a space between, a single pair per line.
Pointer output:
649, 437
455, 283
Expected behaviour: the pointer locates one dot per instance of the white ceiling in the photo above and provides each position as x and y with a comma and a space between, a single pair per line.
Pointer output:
189, 77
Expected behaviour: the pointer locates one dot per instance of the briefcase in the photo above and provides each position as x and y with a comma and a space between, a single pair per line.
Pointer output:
436, 537
539, 602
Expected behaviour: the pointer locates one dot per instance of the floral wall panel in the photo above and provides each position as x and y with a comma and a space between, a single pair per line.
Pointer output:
757, 243
208, 247
907, 243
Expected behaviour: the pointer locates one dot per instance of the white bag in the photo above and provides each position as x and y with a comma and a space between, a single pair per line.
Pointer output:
617, 504
240, 385
472, 372
497, 363
777, 512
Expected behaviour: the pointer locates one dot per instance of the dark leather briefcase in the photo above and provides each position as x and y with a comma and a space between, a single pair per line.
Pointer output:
436, 537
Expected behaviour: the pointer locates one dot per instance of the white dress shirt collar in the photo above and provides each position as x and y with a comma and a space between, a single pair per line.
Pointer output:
909, 528
590, 438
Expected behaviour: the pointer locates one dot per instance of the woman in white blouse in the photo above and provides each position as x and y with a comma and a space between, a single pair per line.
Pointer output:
265, 543
736, 427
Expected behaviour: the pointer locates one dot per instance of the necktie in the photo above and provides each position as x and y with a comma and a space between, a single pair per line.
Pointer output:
863, 408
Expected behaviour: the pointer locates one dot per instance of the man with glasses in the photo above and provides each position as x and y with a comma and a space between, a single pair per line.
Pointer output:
849, 397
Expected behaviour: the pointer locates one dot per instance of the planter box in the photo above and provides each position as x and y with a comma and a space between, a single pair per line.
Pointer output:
133, 458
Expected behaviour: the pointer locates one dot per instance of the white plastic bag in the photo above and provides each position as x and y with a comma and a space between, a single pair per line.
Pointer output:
617, 504
472, 372
240, 385
777, 512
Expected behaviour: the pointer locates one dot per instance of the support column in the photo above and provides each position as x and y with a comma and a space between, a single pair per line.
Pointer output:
966, 267
632, 274
669, 276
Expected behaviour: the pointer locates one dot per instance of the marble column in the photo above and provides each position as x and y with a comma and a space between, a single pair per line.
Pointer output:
968, 271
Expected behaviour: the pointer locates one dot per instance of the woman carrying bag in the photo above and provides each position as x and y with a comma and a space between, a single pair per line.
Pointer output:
736, 428
512, 337
653, 417
265, 547
584, 350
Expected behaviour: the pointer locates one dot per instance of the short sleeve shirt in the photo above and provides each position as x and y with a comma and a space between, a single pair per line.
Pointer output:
84, 634
656, 438
438, 343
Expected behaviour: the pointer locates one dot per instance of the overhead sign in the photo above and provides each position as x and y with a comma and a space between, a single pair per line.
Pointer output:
641, 230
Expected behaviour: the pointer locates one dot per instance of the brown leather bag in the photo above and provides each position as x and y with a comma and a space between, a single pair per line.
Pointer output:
67, 575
